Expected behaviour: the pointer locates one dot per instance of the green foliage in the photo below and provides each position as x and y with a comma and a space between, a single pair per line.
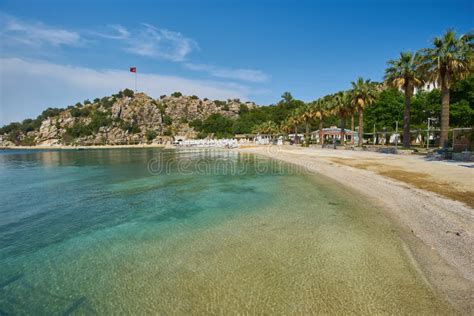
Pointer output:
176, 94
216, 124
128, 93
150, 135
29, 125
14, 136
107, 102
125, 93
464, 90
424, 105
50, 112
249, 118
196, 124
219, 103
243, 109
78, 130
130, 127
28, 141
167, 120
387, 109
266, 128
194, 97
99, 119
80, 112
461, 114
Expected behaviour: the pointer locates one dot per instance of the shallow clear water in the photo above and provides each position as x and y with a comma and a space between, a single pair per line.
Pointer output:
177, 232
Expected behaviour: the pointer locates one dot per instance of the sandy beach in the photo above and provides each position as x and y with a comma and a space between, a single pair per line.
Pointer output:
429, 202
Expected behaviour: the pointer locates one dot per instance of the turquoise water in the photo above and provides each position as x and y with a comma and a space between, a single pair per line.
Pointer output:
176, 232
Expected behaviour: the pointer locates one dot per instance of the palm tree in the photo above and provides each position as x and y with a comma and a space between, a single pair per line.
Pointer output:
320, 107
295, 120
287, 97
403, 73
307, 115
286, 126
268, 127
352, 108
342, 106
364, 94
449, 60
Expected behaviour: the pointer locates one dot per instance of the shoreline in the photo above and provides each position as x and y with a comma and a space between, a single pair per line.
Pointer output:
67, 147
437, 232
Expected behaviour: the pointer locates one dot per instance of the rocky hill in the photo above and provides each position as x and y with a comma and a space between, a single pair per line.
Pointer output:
123, 118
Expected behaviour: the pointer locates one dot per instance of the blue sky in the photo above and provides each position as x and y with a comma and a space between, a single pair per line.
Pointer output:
55, 53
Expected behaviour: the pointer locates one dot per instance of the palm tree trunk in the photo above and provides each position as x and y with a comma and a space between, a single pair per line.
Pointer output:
296, 134
406, 119
361, 126
444, 113
306, 136
321, 135
343, 132
352, 127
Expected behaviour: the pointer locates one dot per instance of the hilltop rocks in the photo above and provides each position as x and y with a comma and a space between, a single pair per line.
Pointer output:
126, 118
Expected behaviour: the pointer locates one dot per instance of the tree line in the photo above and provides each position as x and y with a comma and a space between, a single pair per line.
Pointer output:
447, 66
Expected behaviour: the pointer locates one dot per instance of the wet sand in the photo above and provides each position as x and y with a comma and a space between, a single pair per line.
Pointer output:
429, 203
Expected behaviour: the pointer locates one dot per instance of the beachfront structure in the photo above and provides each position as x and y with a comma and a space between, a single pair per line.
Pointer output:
334, 132
245, 137
263, 139
291, 137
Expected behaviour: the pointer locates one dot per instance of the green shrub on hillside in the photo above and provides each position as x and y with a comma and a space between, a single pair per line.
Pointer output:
150, 135
78, 130
128, 93
99, 119
131, 127
28, 141
167, 120
80, 112
219, 103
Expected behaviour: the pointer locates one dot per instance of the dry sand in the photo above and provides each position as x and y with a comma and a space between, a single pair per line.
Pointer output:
430, 203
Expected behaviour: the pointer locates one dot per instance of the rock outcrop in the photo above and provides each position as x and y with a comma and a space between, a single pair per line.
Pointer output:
126, 118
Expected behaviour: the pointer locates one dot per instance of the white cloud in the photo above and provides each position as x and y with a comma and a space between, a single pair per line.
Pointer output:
147, 40
160, 43
28, 87
35, 33
118, 32
238, 74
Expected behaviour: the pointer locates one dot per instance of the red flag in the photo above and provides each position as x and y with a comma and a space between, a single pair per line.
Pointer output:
133, 69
